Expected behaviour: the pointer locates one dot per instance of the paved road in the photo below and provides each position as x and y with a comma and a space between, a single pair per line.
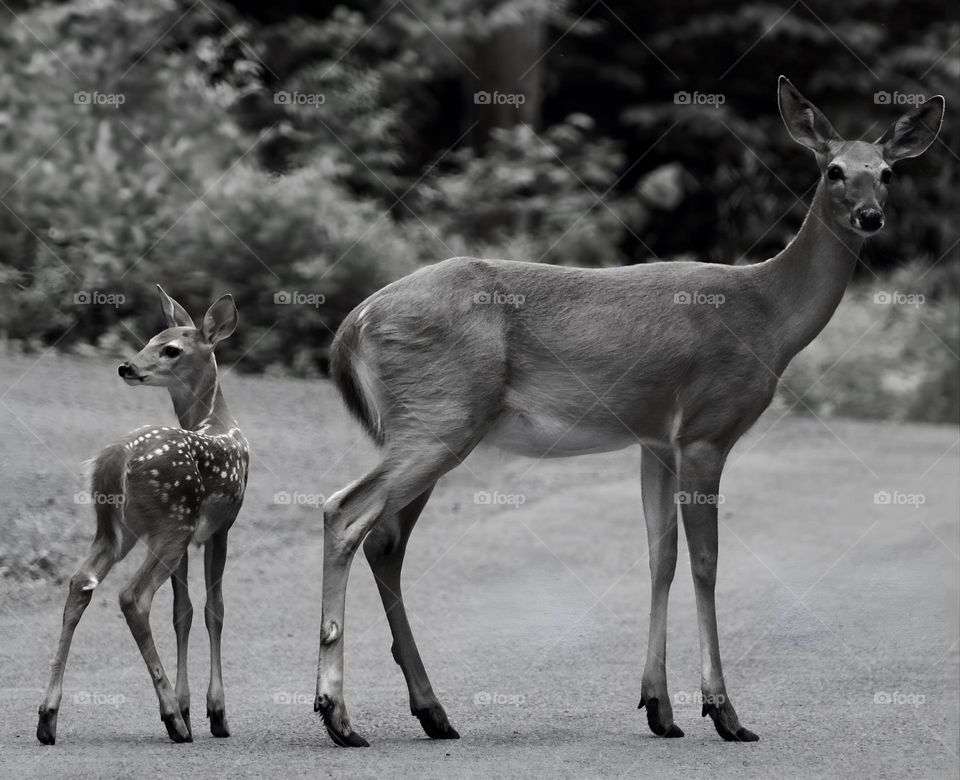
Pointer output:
838, 615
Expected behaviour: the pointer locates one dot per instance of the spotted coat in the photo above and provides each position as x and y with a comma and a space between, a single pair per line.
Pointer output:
189, 474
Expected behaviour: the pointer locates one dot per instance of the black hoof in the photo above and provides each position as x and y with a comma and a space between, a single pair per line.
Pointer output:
173, 732
47, 727
218, 723
726, 734
435, 724
325, 708
185, 714
672, 731
351, 740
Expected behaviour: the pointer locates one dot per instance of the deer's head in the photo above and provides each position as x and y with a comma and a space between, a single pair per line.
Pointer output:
856, 174
178, 355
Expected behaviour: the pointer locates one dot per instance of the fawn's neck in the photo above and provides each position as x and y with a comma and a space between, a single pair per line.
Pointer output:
806, 281
200, 405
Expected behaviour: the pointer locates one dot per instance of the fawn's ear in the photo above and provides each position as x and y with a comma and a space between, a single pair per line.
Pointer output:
805, 122
912, 133
220, 320
173, 312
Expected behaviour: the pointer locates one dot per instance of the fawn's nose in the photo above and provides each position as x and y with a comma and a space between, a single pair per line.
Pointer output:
869, 220
125, 370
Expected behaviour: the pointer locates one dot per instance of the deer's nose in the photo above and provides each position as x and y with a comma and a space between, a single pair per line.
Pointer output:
125, 370
870, 220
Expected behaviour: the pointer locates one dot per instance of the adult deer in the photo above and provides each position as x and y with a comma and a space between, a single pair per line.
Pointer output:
590, 360
168, 487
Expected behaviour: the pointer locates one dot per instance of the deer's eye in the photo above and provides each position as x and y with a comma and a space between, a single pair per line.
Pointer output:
886, 175
834, 173
171, 351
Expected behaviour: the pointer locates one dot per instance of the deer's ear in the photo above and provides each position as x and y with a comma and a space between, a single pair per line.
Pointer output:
220, 320
805, 122
174, 314
912, 133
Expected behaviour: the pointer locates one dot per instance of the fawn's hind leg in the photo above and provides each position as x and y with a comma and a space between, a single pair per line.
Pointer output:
164, 551
182, 620
103, 554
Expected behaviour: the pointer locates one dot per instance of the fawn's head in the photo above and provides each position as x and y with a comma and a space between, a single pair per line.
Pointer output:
856, 174
179, 355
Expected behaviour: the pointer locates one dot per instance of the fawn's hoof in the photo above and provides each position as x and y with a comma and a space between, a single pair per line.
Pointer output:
185, 714
218, 723
47, 726
657, 726
176, 728
336, 723
434, 722
727, 725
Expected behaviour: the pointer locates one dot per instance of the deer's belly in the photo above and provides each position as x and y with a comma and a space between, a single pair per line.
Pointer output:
542, 436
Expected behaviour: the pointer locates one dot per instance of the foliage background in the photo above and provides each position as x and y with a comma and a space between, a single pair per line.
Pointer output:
208, 180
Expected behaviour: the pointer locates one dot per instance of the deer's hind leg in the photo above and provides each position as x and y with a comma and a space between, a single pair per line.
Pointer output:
182, 620
385, 547
404, 474
103, 555
164, 550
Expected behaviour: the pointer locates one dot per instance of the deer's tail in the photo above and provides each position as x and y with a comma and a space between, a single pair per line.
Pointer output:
354, 377
108, 491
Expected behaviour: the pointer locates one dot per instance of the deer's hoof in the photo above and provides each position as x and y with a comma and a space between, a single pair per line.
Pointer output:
185, 714
47, 726
176, 728
657, 726
218, 723
336, 723
727, 725
434, 722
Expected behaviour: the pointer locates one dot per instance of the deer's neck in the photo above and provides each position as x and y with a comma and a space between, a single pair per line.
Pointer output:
806, 281
200, 405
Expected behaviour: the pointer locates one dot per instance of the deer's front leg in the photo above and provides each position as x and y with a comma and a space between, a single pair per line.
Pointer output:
215, 557
659, 486
700, 468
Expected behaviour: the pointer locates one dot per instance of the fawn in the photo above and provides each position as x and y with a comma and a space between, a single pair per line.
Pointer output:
168, 487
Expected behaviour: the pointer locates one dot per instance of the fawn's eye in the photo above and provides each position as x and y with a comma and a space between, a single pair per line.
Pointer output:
171, 351
834, 173
886, 175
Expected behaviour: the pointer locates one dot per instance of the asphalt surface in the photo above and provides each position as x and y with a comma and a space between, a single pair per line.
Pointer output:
838, 612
